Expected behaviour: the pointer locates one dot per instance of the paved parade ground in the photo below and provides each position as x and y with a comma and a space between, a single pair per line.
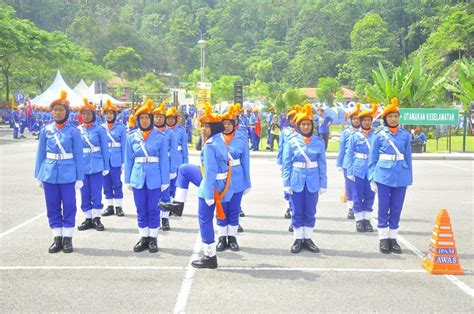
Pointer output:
105, 275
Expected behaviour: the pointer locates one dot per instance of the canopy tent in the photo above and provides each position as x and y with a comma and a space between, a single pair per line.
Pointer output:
53, 91
97, 98
82, 90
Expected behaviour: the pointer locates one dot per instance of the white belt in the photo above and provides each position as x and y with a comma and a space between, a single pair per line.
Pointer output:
361, 156
391, 157
221, 176
147, 159
115, 144
59, 156
235, 162
312, 164
180, 147
91, 150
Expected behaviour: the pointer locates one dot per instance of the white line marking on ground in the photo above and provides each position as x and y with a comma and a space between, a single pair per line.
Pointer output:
21, 225
182, 299
93, 267
448, 165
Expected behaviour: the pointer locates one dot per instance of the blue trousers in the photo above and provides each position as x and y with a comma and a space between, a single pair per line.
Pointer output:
231, 210
363, 197
22, 127
349, 187
148, 214
304, 208
390, 205
113, 184
15, 130
91, 192
206, 225
188, 173
60, 204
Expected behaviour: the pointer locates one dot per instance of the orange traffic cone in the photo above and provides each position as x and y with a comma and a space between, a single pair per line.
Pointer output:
344, 197
442, 257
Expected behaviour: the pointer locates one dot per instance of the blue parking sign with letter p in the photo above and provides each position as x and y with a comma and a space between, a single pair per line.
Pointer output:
19, 97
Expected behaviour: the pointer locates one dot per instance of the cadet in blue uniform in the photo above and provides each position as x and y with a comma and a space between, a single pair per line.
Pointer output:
16, 122
342, 163
240, 181
390, 172
304, 178
60, 172
147, 175
23, 121
96, 165
116, 140
357, 170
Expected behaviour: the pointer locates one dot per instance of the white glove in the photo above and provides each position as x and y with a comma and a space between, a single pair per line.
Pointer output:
373, 186
39, 183
287, 189
209, 202
352, 178
322, 191
339, 169
79, 184
247, 191
105, 172
129, 187
122, 168
164, 187
173, 175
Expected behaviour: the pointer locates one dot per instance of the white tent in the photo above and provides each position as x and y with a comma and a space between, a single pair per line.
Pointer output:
82, 90
52, 93
96, 98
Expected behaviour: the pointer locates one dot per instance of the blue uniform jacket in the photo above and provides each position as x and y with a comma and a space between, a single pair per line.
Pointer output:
358, 145
119, 134
239, 150
182, 143
344, 140
396, 173
16, 118
296, 178
64, 170
96, 161
286, 134
155, 174
173, 149
214, 159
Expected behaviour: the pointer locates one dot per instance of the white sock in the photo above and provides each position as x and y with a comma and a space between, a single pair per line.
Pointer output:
307, 232
57, 232
232, 230
222, 231
144, 232
298, 233
96, 212
153, 232
359, 216
367, 215
118, 202
67, 232
209, 249
393, 233
165, 214
180, 195
108, 202
350, 204
383, 233
88, 214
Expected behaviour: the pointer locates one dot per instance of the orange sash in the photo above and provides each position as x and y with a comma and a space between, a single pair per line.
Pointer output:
218, 197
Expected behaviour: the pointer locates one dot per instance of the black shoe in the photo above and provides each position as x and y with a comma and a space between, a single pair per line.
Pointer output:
165, 224
360, 226
109, 211
152, 245
67, 245
205, 262
233, 243
141, 245
385, 246
97, 224
242, 214
175, 207
119, 211
240, 229
22, 136
297, 246
290, 228
288, 213
310, 246
86, 224
57, 245
221, 244
368, 226
394, 247
350, 214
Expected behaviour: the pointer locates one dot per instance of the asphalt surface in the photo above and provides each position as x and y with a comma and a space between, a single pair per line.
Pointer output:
349, 275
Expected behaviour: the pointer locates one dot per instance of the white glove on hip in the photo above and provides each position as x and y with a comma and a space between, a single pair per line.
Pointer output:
339, 169
105, 172
322, 191
287, 189
164, 187
39, 183
373, 186
79, 184
173, 175
209, 202
129, 187
352, 178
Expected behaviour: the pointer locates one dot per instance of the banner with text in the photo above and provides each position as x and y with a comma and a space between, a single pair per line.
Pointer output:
412, 116
203, 93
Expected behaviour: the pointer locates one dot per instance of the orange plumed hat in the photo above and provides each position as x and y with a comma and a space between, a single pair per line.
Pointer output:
61, 100
109, 106
393, 107
305, 114
209, 116
86, 106
355, 112
172, 112
131, 121
238, 108
295, 111
231, 113
147, 108
369, 112
161, 109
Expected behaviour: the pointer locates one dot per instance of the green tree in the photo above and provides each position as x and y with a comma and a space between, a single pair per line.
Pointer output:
223, 88
462, 85
124, 61
327, 89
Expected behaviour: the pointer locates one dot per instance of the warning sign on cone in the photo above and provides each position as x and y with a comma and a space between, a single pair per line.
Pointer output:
442, 257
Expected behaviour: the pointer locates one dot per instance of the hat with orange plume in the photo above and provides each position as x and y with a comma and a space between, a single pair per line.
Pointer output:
109, 106
393, 107
369, 112
131, 121
295, 111
86, 105
161, 109
231, 113
147, 108
172, 112
62, 100
209, 116
305, 114
354, 112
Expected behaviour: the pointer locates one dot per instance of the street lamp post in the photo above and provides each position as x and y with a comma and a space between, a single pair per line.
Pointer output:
202, 44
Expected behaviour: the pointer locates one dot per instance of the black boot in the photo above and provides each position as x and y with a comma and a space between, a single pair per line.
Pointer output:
394, 247
165, 224
233, 243
242, 214
240, 229
176, 207
350, 214
86, 224
109, 211
297, 246
119, 211
97, 224
67, 245
205, 262
368, 226
290, 228
385, 246
310, 246
288, 213
360, 226
152, 245
57, 245
221, 244
141, 245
